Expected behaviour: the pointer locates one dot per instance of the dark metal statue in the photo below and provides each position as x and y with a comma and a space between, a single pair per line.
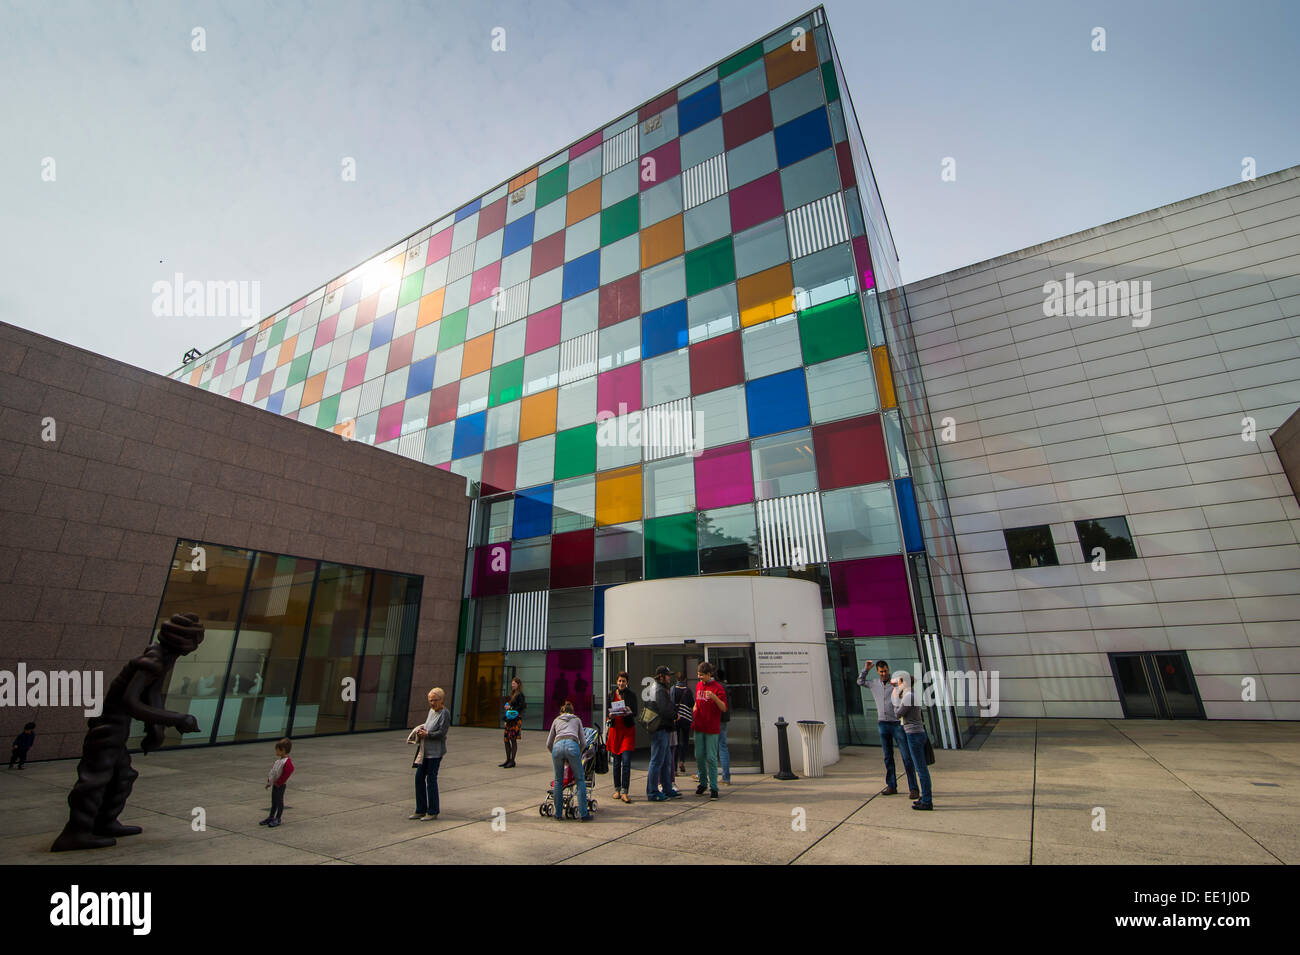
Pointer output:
105, 775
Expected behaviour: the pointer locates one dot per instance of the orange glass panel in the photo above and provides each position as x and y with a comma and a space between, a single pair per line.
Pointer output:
286, 350
537, 415
785, 63
477, 356
767, 295
430, 308
480, 696
312, 389
618, 496
520, 181
884, 380
662, 241
196, 374
583, 201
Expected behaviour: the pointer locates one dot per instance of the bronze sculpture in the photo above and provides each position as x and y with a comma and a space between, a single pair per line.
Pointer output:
105, 775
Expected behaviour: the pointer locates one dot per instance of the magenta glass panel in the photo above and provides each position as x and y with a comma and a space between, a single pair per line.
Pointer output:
588, 144
390, 422
568, 677
667, 163
298, 305
220, 366
499, 467
658, 106
756, 202
246, 352
485, 280
237, 392
264, 386
724, 476
572, 558
399, 351
871, 597
325, 331
863, 259
439, 247
619, 391
492, 218
491, 570
543, 330
356, 372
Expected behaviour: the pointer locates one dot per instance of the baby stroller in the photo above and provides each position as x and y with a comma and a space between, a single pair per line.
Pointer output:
594, 760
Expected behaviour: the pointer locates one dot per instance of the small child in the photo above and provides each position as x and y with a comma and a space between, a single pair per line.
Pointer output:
22, 743
276, 779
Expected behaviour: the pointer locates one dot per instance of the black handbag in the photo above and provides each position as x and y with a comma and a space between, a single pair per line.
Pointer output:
929, 752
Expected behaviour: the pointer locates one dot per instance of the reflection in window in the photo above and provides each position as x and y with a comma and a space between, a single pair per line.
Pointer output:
1111, 534
1030, 546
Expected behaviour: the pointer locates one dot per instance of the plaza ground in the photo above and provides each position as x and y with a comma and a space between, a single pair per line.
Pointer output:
1172, 792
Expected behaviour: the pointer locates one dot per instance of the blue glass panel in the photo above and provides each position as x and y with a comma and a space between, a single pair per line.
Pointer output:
351, 294
469, 435
533, 512
238, 339
802, 137
274, 403
581, 275
469, 210
698, 109
777, 403
518, 234
598, 618
421, 377
255, 366
664, 330
907, 513
382, 330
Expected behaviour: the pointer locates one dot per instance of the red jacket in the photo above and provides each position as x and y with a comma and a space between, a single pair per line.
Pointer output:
708, 718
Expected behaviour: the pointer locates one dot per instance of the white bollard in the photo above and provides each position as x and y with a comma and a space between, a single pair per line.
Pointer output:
810, 732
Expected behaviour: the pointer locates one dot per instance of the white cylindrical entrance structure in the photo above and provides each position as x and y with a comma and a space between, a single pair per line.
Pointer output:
780, 618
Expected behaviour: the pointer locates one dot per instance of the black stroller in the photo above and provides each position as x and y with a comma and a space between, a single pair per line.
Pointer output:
595, 759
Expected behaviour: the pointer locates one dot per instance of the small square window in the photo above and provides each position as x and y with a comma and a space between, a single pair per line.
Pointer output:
1030, 546
1111, 534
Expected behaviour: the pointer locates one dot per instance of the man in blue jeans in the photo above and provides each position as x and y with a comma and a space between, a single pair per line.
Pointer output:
891, 730
660, 774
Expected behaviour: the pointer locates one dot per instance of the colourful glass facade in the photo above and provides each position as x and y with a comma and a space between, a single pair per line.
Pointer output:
658, 352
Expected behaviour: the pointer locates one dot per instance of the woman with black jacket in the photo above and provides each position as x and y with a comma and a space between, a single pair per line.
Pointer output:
683, 698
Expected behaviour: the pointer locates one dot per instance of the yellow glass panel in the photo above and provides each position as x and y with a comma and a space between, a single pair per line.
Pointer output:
618, 496
477, 355
766, 295
884, 380
662, 241
537, 415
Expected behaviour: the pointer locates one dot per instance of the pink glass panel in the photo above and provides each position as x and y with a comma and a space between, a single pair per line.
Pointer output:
325, 331
439, 246
619, 391
485, 281
399, 352
667, 163
871, 597
390, 422
492, 571
756, 202
724, 476
568, 677
588, 144
543, 330
356, 372
863, 259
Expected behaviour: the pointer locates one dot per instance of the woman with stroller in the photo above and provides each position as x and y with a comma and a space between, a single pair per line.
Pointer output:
565, 744
620, 740
515, 704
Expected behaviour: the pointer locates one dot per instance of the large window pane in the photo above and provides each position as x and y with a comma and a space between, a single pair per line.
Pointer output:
334, 644
860, 522
385, 685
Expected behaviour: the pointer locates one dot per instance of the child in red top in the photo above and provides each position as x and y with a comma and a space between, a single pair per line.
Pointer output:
276, 779
710, 704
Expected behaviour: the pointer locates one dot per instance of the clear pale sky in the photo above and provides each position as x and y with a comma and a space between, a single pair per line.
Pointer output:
225, 164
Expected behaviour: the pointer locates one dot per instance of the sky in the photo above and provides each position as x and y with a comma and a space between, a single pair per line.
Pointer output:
129, 156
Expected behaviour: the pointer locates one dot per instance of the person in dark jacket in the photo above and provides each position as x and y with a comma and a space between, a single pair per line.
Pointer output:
22, 743
684, 699
515, 703
659, 781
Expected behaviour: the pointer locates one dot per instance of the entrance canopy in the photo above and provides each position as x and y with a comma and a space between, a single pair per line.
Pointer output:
780, 618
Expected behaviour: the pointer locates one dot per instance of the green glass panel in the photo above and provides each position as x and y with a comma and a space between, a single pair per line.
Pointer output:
740, 60
620, 220
465, 619
710, 266
506, 383
575, 452
670, 546
828, 80
277, 332
298, 370
412, 285
553, 185
206, 386
452, 330
328, 413
831, 330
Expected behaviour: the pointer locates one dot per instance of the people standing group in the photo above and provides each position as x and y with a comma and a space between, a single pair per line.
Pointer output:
898, 717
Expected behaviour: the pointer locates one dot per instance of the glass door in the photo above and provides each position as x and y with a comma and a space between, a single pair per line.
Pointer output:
734, 668
1156, 686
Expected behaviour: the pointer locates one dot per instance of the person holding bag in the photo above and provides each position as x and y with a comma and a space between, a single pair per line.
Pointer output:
659, 718
620, 739
515, 704
907, 706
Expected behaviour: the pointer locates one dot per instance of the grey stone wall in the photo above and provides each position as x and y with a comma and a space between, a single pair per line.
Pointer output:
89, 521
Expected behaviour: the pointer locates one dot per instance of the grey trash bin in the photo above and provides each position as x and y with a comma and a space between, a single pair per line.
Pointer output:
810, 732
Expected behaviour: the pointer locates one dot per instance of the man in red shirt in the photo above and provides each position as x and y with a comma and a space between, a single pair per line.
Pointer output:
710, 704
